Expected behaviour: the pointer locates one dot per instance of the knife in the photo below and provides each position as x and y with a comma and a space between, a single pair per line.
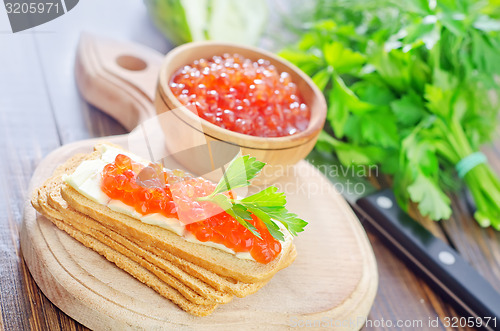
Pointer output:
446, 271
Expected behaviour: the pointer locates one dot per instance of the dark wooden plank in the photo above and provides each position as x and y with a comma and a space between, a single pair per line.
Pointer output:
27, 133
47, 59
403, 295
25, 117
397, 285
57, 48
480, 247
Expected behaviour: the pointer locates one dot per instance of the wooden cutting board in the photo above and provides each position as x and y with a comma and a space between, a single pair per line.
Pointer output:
332, 283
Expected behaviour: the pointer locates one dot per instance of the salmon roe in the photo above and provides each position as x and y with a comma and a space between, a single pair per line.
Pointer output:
173, 193
241, 95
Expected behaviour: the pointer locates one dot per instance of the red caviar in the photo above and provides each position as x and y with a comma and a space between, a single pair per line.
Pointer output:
174, 193
240, 95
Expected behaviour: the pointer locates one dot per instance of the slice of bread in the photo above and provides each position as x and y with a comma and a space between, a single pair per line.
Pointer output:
221, 284
136, 253
138, 272
158, 240
174, 277
124, 263
193, 276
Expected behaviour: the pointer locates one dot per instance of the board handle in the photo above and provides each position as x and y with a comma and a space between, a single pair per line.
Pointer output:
118, 78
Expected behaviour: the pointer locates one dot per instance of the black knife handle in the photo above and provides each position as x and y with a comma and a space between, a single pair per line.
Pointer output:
445, 267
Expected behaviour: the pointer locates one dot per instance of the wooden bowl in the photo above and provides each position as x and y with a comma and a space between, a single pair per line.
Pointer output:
185, 130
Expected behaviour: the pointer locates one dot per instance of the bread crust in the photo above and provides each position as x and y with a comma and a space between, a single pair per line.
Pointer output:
128, 265
156, 238
195, 277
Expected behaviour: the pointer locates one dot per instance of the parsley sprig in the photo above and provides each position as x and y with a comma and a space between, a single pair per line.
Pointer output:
268, 205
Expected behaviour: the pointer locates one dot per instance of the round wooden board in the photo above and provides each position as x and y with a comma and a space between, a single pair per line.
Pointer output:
332, 283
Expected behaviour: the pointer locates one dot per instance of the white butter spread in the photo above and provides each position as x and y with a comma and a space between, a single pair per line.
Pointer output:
120, 207
86, 179
173, 224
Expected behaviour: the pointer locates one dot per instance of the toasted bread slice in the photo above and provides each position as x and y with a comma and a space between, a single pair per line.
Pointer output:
67, 166
221, 284
41, 203
135, 270
159, 240
193, 277
201, 293
221, 293
124, 263
95, 229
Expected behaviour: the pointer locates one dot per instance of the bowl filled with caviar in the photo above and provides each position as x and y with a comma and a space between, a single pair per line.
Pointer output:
224, 96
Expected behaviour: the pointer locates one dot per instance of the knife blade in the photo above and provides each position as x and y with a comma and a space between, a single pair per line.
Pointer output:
444, 268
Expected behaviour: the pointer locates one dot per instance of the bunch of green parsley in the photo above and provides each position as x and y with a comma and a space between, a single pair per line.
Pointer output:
411, 86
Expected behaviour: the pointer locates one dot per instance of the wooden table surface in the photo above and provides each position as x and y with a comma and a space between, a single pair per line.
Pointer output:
40, 110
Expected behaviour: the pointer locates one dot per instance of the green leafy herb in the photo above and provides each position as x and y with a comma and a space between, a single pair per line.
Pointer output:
268, 205
239, 173
411, 86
